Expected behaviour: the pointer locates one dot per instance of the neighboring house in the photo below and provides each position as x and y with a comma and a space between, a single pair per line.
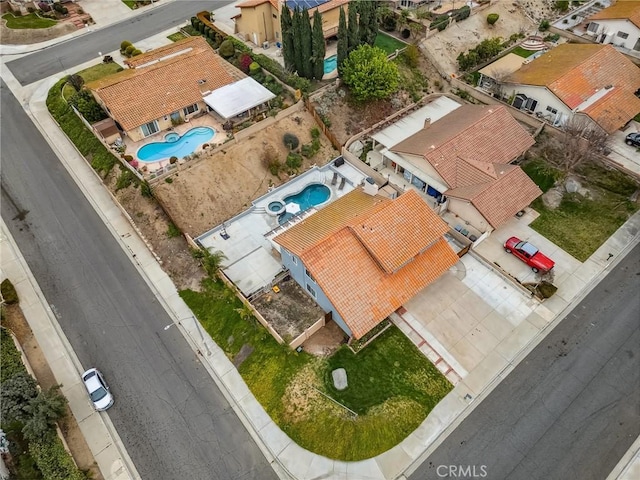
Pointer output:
462, 161
594, 82
364, 255
163, 86
259, 20
618, 25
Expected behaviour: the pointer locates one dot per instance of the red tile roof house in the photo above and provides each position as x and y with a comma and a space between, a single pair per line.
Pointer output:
592, 82
464, 161
164, 84
364, 255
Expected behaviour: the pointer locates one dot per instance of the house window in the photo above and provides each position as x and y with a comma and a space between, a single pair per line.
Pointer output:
274, 15
311, 291
308, 274
190, 109
552, 110
150, 128
593, 27
636, 47
623, 35
294, 260
531, 104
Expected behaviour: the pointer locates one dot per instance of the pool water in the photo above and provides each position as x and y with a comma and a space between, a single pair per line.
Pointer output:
175, 145
311, 196
330, 64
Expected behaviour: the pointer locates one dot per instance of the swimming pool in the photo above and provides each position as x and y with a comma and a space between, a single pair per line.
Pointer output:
311, 196
175, 145
330, 64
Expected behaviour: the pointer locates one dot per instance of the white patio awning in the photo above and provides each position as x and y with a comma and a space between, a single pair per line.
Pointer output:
238, 97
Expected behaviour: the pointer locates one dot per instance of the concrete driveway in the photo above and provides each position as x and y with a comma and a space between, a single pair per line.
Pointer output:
623, 154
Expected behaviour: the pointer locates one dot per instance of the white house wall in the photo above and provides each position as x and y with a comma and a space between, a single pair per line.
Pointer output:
419, 167
611, 27
544, 98
467, 212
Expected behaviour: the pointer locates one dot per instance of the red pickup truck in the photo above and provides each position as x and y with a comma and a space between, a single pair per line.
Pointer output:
529, 255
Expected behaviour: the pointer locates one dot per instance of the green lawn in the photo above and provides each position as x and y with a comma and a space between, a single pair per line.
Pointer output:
522, 52
388, 43
130, 3
174, 37
28, 21
392, 385
581, 225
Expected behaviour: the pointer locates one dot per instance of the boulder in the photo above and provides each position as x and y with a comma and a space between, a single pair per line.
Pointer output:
572, 185
552, 198
339, 378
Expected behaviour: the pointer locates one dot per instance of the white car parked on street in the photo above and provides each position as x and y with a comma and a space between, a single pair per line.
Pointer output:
97, 389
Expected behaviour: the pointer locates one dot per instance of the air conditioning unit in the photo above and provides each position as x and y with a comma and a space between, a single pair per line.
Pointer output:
265, 45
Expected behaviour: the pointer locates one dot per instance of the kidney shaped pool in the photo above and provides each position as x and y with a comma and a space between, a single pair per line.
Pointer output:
175, 145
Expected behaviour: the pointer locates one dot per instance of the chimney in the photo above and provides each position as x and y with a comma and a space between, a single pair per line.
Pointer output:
370, 187
427, 123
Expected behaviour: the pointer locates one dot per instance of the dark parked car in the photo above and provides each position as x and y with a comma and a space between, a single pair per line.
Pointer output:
529, 255
633, 139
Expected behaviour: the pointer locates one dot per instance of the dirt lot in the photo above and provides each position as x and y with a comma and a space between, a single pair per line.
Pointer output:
16, 322
290, 311
223, 184
444, 47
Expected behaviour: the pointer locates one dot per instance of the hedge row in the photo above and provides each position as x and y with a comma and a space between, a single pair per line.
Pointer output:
102, 160
51, 458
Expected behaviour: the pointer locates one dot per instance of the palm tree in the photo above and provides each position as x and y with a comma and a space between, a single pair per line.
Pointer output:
212, 261
246, 314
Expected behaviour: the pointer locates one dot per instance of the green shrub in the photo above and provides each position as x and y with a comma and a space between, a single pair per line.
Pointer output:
146, 190
102, 160
227, 49
125, 179
136, 52
10, 359
125, 44
492, 18
544, 25
273, 85
562, 5
274, 166
129, 50
9, 292
173, 231
254, 68
411, 56
207, 31
462, 13
315, 132
53, 460
87, 105
294, 161
307, 150
290, 141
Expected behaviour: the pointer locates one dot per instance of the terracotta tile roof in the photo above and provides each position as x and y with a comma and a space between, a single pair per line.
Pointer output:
414, 228
620, 10
464, 145
369, 272
574, 72
499, 200
137, 96
328, 220
614, 109
363, 293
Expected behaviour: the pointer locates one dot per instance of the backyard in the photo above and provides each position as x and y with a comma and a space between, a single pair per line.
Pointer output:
582, 223
392, 386
388, 43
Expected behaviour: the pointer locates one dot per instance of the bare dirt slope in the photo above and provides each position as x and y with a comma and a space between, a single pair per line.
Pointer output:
223, 184
522, 16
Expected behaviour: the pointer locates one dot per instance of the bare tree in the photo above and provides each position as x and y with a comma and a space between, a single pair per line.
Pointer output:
499, 75
581, 140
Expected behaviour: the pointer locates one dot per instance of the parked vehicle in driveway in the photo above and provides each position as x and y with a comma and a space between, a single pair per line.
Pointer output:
529, 254
633, 139
97, 389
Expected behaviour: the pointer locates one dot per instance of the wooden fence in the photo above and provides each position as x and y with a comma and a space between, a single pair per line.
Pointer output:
332, 138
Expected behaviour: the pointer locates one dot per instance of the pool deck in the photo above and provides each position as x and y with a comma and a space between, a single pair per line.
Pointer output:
252, 259
202, 121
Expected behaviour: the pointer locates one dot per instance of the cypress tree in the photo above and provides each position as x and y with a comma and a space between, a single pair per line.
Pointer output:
297, 26
318, 46
352, 28
364, 21
343, 41
372, 27
288, 44
305, 43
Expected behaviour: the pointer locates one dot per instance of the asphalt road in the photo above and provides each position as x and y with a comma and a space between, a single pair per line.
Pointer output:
571, 409
172, 418
66, 55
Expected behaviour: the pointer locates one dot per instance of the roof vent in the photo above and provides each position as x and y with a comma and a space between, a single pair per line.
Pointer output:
608, 87
427, 122
200, 82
